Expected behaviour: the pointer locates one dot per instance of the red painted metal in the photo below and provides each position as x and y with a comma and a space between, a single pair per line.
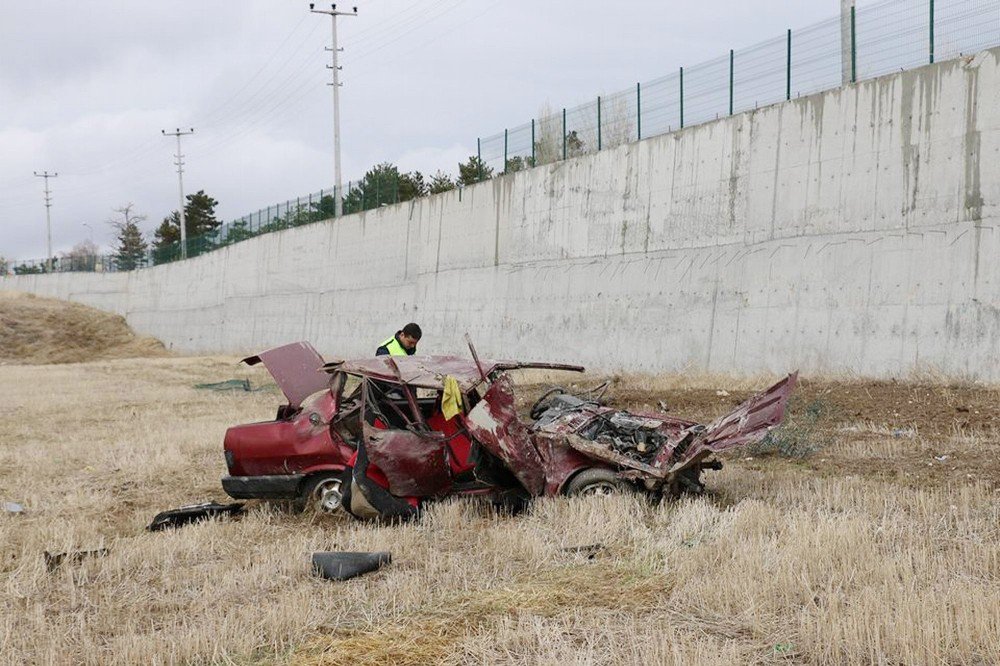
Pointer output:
413, 465
495, 425
297, 368
292, 446
429, 371
429, 456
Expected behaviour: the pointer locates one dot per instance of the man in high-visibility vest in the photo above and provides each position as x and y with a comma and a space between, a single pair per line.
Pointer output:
404, 343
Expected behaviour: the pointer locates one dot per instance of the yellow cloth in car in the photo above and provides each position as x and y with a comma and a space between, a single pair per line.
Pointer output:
451, 401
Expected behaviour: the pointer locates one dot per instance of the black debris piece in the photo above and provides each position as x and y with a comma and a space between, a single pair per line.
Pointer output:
192, 514
55, 560
342, 566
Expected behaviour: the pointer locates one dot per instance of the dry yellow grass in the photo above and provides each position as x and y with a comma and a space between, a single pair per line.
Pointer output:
34, 329
781, 563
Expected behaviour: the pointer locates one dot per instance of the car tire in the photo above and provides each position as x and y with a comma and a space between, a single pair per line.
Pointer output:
307, 498
595, 481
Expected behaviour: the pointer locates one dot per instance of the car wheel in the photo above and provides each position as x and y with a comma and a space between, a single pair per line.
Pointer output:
595, 481
321, 492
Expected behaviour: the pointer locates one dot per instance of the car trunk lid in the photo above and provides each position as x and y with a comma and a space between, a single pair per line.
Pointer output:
296, 368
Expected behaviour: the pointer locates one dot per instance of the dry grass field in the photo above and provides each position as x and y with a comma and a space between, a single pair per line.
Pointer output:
869, 532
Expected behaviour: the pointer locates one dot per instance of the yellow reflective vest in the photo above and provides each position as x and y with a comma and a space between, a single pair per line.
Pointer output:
395, 349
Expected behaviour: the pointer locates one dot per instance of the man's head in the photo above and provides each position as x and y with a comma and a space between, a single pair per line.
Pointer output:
410, 336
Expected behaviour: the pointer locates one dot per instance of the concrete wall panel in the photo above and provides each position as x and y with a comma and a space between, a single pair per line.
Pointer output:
855, 230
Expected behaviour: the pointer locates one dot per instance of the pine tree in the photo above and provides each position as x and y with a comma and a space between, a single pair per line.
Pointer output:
473, 171
131, 251
441, 182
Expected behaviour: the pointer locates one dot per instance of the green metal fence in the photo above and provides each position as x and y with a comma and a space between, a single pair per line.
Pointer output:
871, 41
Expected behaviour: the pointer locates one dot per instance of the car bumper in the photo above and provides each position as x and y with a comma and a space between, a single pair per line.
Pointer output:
281, 486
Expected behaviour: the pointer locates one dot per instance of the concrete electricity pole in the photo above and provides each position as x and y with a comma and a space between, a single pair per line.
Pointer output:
846, 42
338, 195
180, 182
48, 217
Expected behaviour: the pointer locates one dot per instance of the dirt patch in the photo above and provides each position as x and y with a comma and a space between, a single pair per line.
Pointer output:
40, 331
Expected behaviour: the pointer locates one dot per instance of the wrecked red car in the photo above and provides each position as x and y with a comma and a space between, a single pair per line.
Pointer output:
417, 428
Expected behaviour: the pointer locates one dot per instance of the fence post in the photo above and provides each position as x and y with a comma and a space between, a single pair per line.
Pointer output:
532, 142
682, 98
932, 31
505, 150
479, 157
564, 133
730, 82
638, 112
598, 122
788, 67
854, 47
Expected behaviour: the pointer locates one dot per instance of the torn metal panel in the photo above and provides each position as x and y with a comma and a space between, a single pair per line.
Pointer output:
495, 425
561, 461
415, 466
746, 424
192, 514
297, 369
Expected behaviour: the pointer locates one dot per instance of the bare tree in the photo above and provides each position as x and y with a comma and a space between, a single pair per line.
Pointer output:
548, 136
83, 257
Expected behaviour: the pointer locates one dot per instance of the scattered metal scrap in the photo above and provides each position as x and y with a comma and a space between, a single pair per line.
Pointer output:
192, 514
343, 566
55, 560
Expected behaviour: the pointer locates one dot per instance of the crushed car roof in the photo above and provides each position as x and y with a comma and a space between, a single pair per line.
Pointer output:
429, 371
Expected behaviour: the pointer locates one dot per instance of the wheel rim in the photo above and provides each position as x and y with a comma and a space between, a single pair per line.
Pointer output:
328, 496
600, 488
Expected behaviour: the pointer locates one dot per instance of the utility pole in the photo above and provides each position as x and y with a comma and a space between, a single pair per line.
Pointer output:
180, 182
338, 195
846, 37
48, 217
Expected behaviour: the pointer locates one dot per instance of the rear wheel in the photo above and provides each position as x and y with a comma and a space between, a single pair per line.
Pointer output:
321, 492
595, 481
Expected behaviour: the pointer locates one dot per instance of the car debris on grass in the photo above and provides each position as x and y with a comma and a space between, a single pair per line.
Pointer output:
193, 513
55, 560
344, 566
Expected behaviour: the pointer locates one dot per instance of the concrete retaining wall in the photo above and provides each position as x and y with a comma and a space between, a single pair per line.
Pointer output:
855, 230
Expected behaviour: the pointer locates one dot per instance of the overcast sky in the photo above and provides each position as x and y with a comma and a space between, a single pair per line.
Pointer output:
86, 87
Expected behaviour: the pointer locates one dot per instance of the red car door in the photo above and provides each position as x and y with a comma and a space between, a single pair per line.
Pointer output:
413, 460
495, 425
